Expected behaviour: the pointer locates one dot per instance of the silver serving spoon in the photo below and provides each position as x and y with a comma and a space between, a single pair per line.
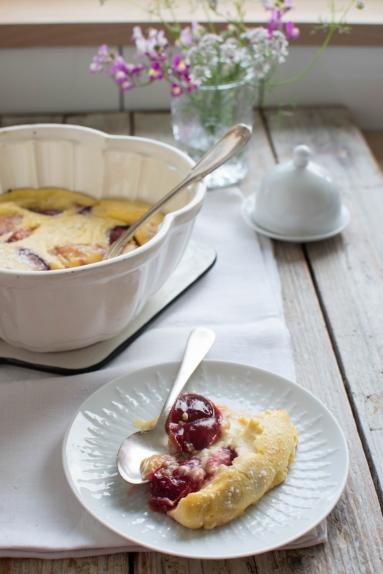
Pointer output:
142, 444
225, 148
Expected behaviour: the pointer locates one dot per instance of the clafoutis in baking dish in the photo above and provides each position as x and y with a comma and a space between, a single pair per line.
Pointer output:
53, 228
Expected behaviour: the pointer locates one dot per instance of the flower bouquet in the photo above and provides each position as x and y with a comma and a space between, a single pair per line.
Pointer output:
214, 72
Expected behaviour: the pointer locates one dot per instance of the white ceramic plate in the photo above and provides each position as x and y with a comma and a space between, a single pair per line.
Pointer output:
248, 210
313, 486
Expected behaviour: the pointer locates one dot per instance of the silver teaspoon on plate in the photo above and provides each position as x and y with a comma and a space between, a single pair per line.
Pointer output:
143, 444
225, 148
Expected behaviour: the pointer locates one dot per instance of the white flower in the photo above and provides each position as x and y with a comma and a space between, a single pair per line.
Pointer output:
265, 51
231, 51
200, 74
230, 58
210, 40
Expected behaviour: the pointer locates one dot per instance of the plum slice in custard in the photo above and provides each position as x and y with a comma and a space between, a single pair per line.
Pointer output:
220, 461
194, 425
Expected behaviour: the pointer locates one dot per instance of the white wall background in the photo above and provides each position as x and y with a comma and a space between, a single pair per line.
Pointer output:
46, 80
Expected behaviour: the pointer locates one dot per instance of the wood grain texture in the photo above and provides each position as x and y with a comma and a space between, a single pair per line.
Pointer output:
155, 125
17, 120
348, 270
117, 123
43, 23
375, 142
116, 564
120, 33
356, 524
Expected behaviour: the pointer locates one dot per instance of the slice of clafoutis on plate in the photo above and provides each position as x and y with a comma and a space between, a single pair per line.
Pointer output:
220, 461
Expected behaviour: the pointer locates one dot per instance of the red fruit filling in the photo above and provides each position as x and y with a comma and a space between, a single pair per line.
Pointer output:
116, 232
34, 259
194, 423
83, 209
9, 222
73, 254
21, 234
171, 482
224, 455
51, 212
174, 480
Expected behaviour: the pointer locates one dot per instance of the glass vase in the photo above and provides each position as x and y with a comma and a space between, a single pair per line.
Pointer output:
200, 118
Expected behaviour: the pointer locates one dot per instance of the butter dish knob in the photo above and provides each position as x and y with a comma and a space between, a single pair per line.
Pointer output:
302, 156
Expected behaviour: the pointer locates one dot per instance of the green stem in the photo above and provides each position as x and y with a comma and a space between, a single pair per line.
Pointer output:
209, 22
156, 10
333, 27
230, 20
309, 66
261, 93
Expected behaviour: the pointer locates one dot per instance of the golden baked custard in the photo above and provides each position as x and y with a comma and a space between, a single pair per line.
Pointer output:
53, 228
220, 461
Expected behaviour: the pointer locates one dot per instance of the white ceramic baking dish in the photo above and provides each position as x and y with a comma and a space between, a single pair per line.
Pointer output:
71, 308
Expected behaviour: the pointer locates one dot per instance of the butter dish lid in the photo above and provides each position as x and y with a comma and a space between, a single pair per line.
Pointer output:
301, 173
298, 198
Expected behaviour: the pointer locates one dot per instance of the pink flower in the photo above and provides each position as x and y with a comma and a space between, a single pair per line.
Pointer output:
122, 70
126, 85
155, 72
179, 65
186, 37
136, 69
275, 22
119, 65
95, 65
176, 90
103, 56
120, 77
291, 30
191, 87
153, 46
103, 51
277, 10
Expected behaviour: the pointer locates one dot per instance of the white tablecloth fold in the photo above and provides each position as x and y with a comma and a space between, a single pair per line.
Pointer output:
239, 298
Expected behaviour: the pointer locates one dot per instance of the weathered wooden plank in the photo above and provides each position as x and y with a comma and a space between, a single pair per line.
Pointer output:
112, 123
375, 142
348, 270
116, 563
72, 23
355, 525
17, 120
153, 125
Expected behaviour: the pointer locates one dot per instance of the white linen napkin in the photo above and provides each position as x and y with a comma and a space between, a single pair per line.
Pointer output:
239, 298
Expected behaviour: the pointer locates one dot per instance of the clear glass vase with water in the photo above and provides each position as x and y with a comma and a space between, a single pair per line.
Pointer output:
200, 118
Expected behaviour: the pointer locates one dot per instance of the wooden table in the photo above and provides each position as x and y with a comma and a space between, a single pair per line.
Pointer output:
333, 299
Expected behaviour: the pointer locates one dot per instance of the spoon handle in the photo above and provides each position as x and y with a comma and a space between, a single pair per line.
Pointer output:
225, 148
118, 245
199, 342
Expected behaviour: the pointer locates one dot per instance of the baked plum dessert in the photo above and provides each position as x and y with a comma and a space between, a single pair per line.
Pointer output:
220, 461
53, 228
